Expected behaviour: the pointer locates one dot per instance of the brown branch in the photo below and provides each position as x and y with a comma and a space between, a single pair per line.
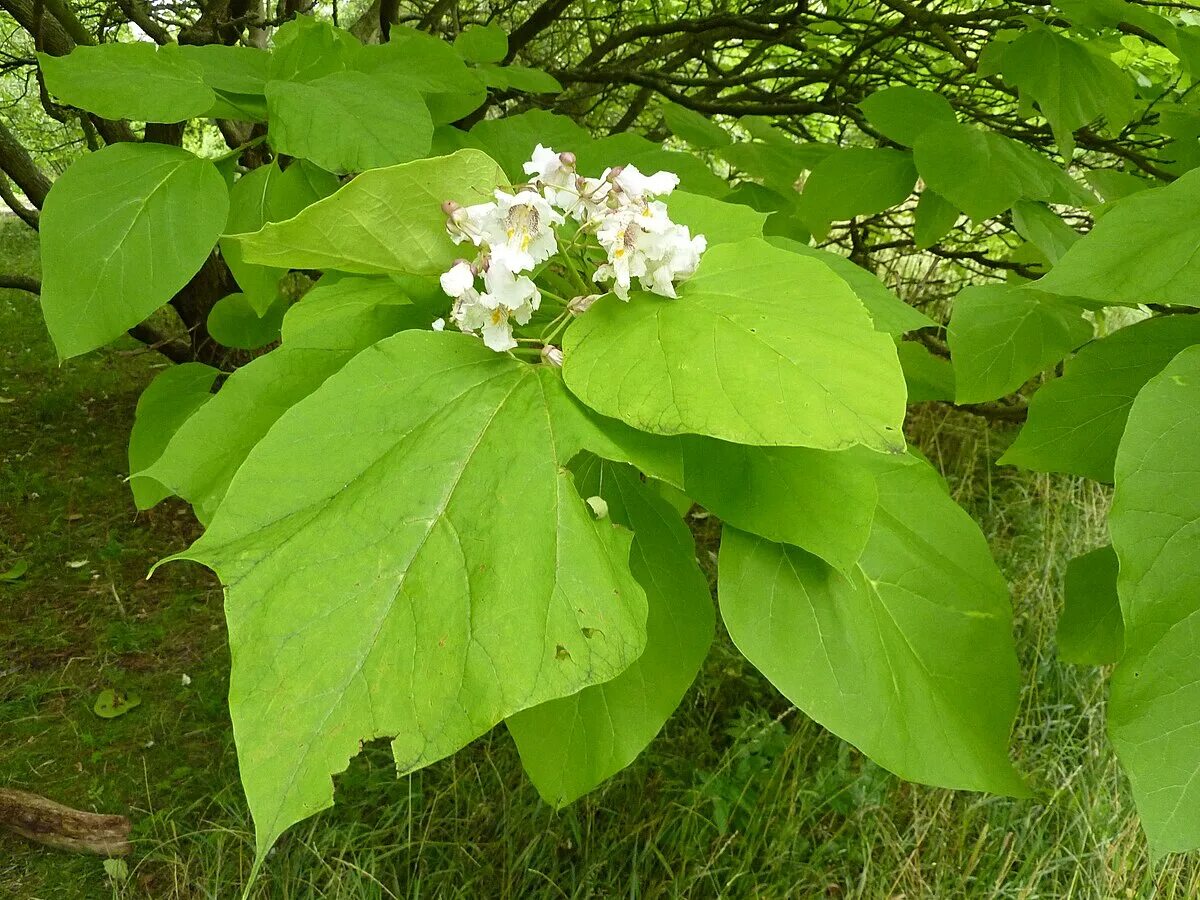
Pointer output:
61, 827
175, 350
29, 216
140, 17
16, 162
541, 19
20, 283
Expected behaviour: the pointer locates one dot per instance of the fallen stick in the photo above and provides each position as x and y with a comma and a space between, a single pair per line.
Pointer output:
61, 827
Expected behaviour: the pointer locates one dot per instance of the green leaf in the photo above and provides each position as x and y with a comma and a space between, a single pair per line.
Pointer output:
1114, 185
903, 113
753, 351
432, 66
694, 127
1154, 704
890, 314
719, 222
163, 407
15, 572
1076, 421
305, 48
855, 181
204, 453
230, 69
1146, 250
1071, 85
111, 704
520, 78
482, 43
349, 121
510, 141
140, 220
1000, 337
262, 195
239, 107
128, 81
429, 570
934, 218
969, 168
570, 745
909, 657
384, 221
819, 500
777, 164
984, 173
350, 314
1043, 228
234, 322
1090, 630
928, 377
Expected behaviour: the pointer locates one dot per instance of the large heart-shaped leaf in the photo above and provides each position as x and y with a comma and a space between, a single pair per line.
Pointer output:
123, 229
132, 80
164, 406
1154, 706
910, 656
405, 555
1090, 629
1144, 251
1000, 338
572, 744
384, 221
262, 195
349, 121
203, 454
756, 350
1076, 421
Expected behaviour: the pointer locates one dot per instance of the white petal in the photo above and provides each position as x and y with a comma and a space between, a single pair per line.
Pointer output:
458, 279
499, 337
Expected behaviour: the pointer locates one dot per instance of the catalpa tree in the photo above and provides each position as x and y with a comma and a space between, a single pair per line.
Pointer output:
470, 307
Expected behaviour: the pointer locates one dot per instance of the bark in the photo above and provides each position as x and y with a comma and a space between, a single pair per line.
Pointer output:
20, 167
61, 827
195, 302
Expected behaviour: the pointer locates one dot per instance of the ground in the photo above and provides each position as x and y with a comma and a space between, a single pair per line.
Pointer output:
740, 796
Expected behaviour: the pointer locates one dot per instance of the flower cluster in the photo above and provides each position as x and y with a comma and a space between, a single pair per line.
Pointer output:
516, 233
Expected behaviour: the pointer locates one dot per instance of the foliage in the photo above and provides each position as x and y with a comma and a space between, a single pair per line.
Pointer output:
421, 538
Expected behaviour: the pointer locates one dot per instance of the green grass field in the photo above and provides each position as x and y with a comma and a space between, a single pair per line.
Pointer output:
741, 795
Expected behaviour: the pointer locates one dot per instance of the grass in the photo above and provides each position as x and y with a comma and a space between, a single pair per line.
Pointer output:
741, 796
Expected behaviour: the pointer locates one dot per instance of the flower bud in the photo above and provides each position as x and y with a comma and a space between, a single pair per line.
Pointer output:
552, 356
449, 207
567, 159
579, 305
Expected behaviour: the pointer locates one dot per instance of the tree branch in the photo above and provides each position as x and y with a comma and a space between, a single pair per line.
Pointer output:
16, 162
29, 216
20, 283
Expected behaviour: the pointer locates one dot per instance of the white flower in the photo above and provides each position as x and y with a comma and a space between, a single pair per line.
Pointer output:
507, 289
551, 171
507, 298
587, 200
643, 243
521, 234
459, 279
634, 184
471, 223
438, 325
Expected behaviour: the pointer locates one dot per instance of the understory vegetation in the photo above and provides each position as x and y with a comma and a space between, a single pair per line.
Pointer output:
741, 795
